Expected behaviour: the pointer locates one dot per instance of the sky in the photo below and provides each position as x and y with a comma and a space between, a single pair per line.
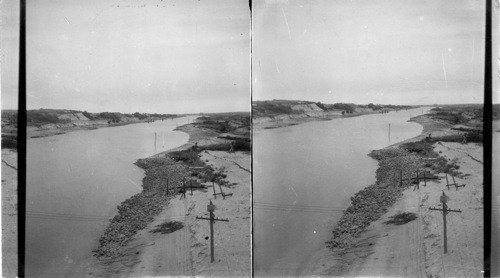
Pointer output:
194, 56
152, 56
9, 53
369, 51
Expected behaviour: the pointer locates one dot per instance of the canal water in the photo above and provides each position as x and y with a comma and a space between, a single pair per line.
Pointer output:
75, 182
304, 177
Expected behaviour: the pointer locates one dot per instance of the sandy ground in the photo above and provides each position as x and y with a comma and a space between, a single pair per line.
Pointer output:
9, 213
186, 252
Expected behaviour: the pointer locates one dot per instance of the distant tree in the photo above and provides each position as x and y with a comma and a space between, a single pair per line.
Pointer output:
87, 114
321, 105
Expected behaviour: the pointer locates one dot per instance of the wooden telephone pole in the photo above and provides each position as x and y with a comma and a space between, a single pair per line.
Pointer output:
212, 219
183, 193
454, 182
215, 194
389, 134
443, 198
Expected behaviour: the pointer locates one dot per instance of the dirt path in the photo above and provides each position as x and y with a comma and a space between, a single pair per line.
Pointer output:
166, 254
399, 251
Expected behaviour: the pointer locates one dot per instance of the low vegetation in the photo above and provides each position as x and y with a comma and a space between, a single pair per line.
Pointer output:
9, 141
401, 218
168, 227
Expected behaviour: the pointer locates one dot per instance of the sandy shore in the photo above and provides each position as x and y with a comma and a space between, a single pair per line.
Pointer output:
415, 249
186, 252
9, 213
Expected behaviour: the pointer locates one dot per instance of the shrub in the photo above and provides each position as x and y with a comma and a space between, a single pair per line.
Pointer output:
9, 142
87, 114
421, 148
189, 157
168, 227
401, 218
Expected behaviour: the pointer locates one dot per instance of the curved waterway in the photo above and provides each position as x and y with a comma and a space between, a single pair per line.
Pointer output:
304, 177
75, 182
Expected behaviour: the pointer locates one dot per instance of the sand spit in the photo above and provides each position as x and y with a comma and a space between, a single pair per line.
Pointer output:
133, 251
415, 249
9, 213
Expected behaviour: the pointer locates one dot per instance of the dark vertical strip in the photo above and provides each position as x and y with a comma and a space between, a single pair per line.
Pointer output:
251, 140
21, 140
487, 157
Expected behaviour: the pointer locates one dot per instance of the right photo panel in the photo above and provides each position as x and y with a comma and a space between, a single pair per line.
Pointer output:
368, 138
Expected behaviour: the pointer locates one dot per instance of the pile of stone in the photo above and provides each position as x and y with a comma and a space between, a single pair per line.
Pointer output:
371, 203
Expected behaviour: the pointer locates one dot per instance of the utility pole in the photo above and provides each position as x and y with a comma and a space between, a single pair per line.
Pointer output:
417, 185
155, 142
215, 194
401, 177
389, 134
454, 182
212, 219
443, 198
224, 194
183, 193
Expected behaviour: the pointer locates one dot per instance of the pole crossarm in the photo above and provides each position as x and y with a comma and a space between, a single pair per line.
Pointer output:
215, 219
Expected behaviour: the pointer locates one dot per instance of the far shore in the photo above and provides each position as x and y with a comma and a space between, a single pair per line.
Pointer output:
260, 123
58, 129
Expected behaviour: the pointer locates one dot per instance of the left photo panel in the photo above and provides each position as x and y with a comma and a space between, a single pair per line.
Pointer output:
139, 139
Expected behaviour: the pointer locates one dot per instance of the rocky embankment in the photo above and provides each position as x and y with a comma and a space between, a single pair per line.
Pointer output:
137, 212
372, 202
164, 179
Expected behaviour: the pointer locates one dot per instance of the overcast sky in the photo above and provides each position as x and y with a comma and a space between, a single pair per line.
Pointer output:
190, 56
139, 55
9, 53
380, 51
